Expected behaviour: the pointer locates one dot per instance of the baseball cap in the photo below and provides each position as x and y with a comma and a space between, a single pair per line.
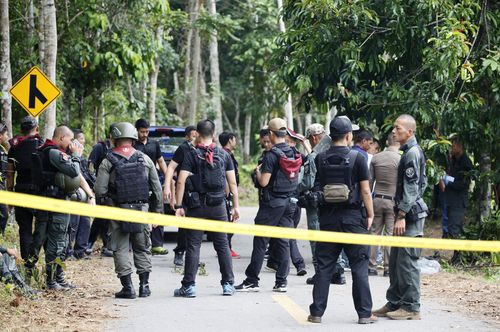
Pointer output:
293, 134
28, 123
277, 124
342, 125
314, 129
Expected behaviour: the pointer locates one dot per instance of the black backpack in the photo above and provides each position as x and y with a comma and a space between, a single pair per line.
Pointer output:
131, 178
211, 177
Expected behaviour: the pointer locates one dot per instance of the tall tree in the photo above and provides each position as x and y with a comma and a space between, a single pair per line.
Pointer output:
288, 104
49, 58
153, 78
214, 71
5, 70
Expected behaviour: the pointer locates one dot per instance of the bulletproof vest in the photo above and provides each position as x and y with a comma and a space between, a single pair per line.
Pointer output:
209, 178
21, 155
131, 178
4, 160
286, 179
335, 168
422, 179
43, 173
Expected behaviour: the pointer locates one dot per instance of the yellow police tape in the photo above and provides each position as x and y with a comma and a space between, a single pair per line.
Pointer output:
105, 212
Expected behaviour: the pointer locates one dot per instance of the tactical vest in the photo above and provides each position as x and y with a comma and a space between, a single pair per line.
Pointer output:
338, 169
43, 173
209, 178
4, 160
131, 178
22, 160
422, 180
286, 179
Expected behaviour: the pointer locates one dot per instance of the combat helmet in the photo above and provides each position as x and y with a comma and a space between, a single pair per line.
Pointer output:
123, 130
67, 183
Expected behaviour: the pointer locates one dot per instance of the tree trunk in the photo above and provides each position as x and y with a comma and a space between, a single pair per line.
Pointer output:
246, 140
330, 115
308, 119
485, 186
300, 127
215, 72
202, 91
49, 60
5, 70
153, 79
193, 98
288, 105
30, 27
188, 50
179, 103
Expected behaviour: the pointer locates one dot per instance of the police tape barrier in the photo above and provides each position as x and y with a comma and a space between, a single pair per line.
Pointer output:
105, 212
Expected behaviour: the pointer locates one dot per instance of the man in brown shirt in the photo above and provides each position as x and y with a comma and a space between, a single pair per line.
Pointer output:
384, 173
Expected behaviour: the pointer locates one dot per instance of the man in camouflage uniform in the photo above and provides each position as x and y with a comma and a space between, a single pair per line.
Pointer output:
124, 180
403, 295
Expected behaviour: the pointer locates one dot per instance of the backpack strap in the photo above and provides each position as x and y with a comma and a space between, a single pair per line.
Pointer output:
350, 159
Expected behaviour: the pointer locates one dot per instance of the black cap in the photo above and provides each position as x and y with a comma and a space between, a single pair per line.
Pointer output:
28, 123
341, 125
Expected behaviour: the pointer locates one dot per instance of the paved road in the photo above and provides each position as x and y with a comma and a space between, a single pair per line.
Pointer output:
263, 311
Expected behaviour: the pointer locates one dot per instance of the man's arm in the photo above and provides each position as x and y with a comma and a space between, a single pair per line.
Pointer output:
181, 185
410, 182
167, 184
154, 184
102, 181
367, 200
68, 165
233, 187
85, 186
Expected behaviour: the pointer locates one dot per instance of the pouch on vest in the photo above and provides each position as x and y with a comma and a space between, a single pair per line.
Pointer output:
215, 198
418, 211
131, 227
193, 200
335, 174
336, 193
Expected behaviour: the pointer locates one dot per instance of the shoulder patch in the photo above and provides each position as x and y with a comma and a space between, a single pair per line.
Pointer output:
64, 156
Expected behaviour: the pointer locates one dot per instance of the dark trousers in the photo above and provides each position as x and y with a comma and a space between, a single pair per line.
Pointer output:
4, 214
455, 215
348, 221
157, 236
99, 228
295, 256
277, 212
78, 231
181, 241
24, 218
194, 239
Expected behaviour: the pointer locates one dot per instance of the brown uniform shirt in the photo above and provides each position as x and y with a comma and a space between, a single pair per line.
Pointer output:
384, 171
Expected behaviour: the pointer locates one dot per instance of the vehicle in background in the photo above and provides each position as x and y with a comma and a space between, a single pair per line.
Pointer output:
169, 138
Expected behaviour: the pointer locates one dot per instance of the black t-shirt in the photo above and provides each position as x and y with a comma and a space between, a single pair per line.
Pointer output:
98, 154
182, 151
360, 170
235, 164
151, 149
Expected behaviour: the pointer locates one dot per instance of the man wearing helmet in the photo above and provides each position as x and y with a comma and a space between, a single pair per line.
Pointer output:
125, 178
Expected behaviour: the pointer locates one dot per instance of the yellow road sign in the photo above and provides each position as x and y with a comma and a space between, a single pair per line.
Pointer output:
34, 91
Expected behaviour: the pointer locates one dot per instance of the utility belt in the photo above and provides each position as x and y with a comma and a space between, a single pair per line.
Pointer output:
134, 202
25, 188
418, 211
390, 198
196, 200
54, 192
267, 195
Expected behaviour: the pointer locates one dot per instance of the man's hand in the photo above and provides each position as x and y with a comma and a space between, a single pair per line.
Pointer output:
369, 222
76, 148
441, 185
167, 195
13, 253
235, 214
399, 226
91, 200
180, 212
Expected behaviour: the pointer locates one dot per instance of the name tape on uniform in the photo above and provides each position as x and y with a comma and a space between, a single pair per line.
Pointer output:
106, 212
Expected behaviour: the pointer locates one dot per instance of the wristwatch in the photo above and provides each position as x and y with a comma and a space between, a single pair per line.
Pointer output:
401, 215
176, 207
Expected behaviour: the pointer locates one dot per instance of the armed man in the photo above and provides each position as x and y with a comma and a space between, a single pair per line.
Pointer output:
320, 142
342, 185
124, 180
210, 168
403, 295
57, 175
278, 176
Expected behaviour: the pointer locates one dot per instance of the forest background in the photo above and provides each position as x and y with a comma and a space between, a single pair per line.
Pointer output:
242, 62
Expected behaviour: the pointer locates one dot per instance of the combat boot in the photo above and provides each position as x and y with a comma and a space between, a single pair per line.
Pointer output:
51, 280
127, 291
23, 286
144, 290
61, 279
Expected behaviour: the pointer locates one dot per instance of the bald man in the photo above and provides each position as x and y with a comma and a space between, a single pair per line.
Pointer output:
403, 295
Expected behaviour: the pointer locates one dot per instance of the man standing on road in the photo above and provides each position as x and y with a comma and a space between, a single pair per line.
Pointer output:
228, 142
210, 168
384, 173
278, 176
152, 149
173, 170
403, 295
320, 142
341, 185
19, 169
126, 176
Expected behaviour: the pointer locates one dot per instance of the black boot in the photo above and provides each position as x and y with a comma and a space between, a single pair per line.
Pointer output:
61, 278
144, 290
127, 291
22, 285
51, 278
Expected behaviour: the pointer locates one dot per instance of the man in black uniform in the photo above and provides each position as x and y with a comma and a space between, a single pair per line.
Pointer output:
278, 176
210, 167
21, 148
228, 142
341, 185
174, 167
100, 226
4, 163
152, 149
